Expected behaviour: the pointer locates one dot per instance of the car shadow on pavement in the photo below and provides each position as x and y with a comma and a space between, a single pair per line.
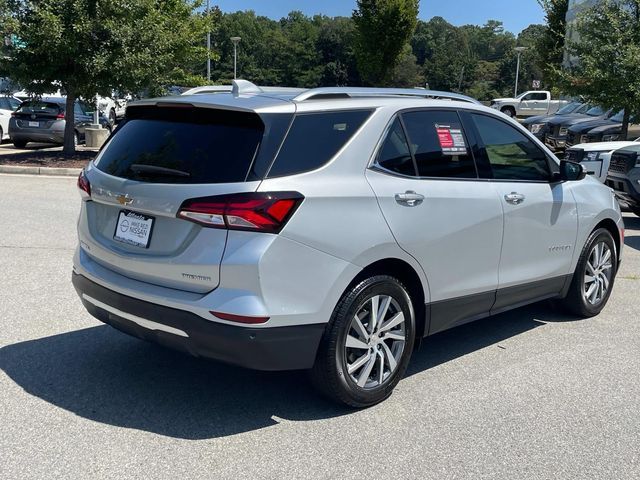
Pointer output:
632, 227
103, 375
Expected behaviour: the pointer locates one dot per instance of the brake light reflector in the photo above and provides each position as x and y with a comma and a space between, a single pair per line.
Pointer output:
239, 318
264, 212
84, 185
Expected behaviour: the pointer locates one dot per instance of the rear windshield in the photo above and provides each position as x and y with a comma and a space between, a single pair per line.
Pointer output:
314, 139
183, 145
39, 107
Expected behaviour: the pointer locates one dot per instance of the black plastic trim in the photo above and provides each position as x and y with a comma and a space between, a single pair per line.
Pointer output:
450, 313
274, 348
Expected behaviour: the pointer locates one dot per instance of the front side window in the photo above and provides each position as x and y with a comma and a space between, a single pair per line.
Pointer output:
511, 154
439, 145
394, 155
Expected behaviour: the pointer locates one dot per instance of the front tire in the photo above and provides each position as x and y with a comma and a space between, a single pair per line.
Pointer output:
367, 345
19, 143
594, 276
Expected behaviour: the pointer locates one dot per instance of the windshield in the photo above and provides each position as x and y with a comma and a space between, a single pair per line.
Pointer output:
618, 117
596, 111
569, 108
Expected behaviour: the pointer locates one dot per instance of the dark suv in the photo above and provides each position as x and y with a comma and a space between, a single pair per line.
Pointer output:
624, 177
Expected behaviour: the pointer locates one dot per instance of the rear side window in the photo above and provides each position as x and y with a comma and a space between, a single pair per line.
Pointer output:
394, 154
314, 139
183, 145
40, 107
439, 145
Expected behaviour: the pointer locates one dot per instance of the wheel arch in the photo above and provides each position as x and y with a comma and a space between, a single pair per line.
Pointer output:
611, 226
409, 277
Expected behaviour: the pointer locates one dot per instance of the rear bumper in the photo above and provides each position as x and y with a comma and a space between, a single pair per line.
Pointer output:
276, 348
47, 136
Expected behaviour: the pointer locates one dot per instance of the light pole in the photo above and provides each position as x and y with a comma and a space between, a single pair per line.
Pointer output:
208, 44
519, 50
235, 41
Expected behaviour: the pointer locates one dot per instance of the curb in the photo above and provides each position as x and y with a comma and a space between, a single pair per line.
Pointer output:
58, 172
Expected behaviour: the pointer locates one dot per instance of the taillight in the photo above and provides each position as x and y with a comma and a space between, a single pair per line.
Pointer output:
84, 185
264, 212
60, 116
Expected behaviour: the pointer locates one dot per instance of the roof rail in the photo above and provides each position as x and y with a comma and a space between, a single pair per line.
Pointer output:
338, 92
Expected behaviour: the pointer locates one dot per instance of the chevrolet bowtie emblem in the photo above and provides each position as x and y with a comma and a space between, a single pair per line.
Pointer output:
124, 200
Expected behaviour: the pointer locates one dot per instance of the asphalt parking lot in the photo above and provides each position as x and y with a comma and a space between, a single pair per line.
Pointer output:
527, 394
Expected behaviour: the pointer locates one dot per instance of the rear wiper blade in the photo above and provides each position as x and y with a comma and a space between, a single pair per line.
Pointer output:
153, 169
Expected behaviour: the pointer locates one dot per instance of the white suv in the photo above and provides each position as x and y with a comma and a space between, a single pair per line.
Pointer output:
329, 229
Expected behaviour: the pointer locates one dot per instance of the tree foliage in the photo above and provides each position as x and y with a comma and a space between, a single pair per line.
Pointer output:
551, 44
86, 47
383, 27
607, 53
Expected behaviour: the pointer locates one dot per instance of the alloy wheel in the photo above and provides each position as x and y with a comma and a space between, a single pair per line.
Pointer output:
598, 274
375, 341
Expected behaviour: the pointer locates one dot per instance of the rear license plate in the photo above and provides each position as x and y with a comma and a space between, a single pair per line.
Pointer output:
133, 228
34, 124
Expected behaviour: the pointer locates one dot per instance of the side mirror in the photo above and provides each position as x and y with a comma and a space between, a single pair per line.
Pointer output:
571, 171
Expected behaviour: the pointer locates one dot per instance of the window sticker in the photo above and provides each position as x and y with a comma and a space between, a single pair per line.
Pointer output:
451, 140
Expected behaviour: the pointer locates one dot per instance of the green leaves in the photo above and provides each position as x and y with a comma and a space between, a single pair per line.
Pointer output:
605, 56
383, 27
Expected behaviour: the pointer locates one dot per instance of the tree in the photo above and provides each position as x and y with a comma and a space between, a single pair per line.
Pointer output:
607, 53
383, 27
86, 47
550, 45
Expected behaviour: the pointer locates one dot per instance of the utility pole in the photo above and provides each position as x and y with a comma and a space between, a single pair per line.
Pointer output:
235, 41
208, 44
461, 77
519, 50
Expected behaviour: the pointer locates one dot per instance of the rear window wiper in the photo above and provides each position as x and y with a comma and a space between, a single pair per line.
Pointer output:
153, 169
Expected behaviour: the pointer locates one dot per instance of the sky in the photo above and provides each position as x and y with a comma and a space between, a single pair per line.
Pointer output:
515, 14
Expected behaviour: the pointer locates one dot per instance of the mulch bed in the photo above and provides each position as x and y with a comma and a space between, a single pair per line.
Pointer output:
47, 159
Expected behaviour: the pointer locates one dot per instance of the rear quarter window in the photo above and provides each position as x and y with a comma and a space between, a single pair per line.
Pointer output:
314, 139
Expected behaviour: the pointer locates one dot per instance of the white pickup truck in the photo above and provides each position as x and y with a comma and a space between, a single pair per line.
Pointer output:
527, 104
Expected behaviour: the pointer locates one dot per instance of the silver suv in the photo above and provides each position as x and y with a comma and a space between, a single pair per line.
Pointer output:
330, 229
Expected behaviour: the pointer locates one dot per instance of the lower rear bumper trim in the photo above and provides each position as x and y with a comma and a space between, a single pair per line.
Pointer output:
276, 348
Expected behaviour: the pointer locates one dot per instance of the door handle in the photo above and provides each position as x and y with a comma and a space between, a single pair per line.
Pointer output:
514, 198
409, 198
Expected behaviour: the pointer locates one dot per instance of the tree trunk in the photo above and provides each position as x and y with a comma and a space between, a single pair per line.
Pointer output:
69, 146
625, 124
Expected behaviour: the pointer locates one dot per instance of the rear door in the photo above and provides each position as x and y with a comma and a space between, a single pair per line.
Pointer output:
441, 212
156, 160
540, 218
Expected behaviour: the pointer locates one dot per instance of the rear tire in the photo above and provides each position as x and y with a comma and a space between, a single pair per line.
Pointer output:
19, 143
594, 276
509, 111
362, 357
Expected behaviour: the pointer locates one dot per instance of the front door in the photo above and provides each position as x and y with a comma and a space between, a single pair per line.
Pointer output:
440, 212
540, 219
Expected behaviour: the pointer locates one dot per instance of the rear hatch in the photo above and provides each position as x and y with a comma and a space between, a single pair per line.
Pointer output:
159, 158
38, 114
